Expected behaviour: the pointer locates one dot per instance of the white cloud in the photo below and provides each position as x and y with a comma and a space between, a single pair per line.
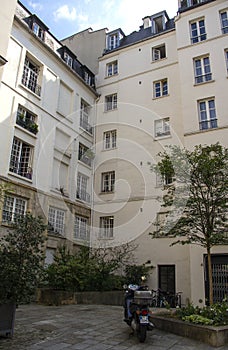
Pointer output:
36, 5
64, 12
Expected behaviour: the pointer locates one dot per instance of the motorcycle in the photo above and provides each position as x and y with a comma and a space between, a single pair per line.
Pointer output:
137, 313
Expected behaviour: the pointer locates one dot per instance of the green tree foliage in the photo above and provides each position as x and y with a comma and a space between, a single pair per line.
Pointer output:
134, 273
197, 199
89, 269
21, 259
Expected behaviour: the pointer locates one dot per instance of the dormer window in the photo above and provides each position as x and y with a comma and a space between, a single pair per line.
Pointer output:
37, 26
113, 39
67, 56
158, 22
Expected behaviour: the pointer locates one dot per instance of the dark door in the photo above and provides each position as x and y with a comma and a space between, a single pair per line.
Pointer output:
166, 278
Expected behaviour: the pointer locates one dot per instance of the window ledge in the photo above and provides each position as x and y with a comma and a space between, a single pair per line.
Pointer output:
204, 82
26, 131
107, 192
158, 98
20, 177
157, 138
160, 60
111, 149
111, 76
30, 91
110, 110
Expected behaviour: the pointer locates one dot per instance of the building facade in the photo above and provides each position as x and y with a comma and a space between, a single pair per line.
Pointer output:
165, 84
47, 118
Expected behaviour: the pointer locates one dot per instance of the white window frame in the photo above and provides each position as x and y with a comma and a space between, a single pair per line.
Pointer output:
112, 68
156, 52
202, 69
30, 77
207, 114
224, 21
113, 41
38, 31
226, 59
110, 102
81, 230
160, 88
21, 158
108, 181
84, 117
162, 127
56, 220
110, 139
106, 227
68, 59
199, 30
26, 119
82, 185
13, 206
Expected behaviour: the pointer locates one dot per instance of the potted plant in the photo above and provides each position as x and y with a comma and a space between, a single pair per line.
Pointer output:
21, 267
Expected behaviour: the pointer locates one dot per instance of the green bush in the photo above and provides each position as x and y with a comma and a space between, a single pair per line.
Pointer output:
216, 314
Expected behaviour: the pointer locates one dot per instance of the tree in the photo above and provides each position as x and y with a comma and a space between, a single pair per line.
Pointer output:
197, 198
21, 259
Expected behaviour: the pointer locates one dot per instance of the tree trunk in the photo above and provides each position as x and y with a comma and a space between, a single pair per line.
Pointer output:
209, 266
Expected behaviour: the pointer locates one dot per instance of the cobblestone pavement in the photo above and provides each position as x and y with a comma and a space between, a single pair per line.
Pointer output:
92, 327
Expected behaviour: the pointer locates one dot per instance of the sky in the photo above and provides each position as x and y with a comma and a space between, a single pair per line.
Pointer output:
67, 17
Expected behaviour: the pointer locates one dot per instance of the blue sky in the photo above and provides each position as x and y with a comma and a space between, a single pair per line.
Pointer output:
66, 17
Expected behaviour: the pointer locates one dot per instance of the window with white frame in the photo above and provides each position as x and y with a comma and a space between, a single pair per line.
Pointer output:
164, 180
38, 31
160, 88
109, 139
21, 158
108, 181
68, 59
84, 116
162, 127
82, 184
56, 219
85, 154
202, 69
106, 227
27, 120
207, 114
158, 52
198, 31
224, 21
110, 102
113, 41
13, 207
81, 228
226, 59
30, 76
112, 68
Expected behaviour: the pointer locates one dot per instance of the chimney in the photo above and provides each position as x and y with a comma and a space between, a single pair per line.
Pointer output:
146, 22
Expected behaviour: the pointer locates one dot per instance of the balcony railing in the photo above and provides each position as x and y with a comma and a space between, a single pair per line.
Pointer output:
86, 126
83, 195
208, 124
27, 124
203, 78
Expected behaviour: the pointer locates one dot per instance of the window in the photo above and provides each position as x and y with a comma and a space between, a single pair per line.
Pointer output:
162, 127
106, 226
56, 218
202, 70
82, 182
113, 41
68, 59
207, 114
158, 52
110, 102
224, 22
84, 117
110, 139
164, 180
108, 181
12, 208
21, 158
26, 120
198, 31
112, 68
30, 76
160, 88
38, 31
81, 228
226, 58
84, 154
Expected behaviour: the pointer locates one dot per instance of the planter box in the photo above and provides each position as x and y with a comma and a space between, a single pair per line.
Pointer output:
7, 318
214, 336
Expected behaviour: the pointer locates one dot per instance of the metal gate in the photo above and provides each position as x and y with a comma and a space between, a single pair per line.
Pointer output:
219, 277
